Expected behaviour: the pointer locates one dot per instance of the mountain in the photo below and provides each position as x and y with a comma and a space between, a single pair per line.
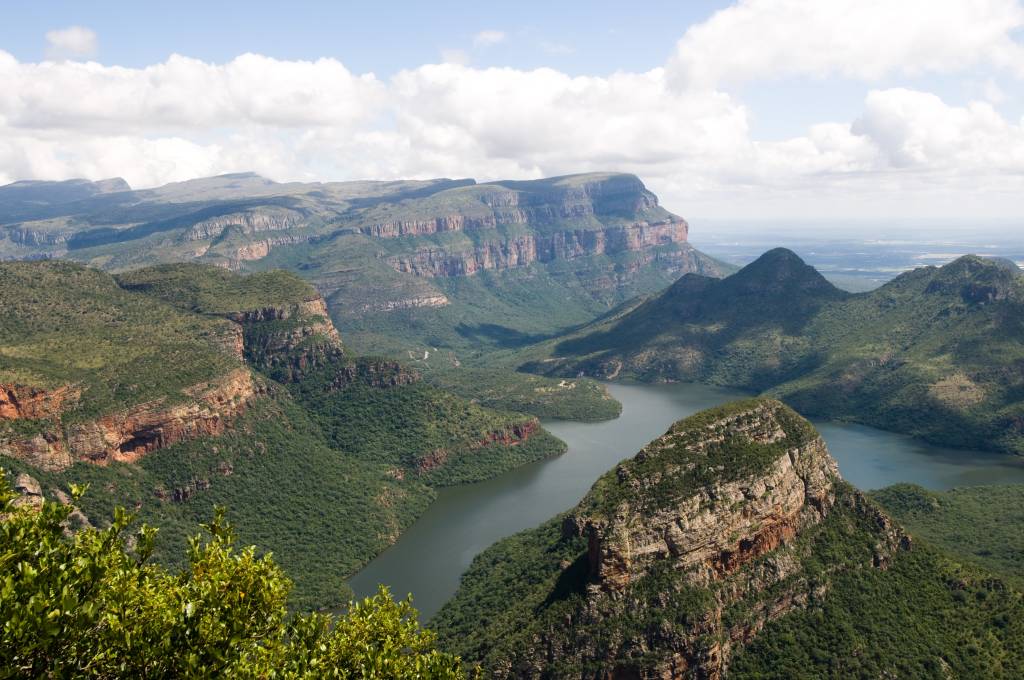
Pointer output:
729, 547
174, 389
937, 352
405, 265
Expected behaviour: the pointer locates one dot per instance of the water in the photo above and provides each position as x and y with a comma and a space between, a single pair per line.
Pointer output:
432, 554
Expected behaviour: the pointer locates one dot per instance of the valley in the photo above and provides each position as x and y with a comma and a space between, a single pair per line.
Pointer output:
415, 384
431, 556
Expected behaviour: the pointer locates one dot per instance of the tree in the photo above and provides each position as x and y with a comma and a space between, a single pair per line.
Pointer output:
91, 603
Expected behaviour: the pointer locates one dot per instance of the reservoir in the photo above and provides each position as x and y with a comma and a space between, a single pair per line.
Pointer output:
433, 553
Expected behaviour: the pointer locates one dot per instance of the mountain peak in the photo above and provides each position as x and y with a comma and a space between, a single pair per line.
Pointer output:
976, 279
778, 270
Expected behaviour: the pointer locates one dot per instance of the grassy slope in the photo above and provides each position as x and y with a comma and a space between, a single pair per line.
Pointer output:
981, 525
64, 323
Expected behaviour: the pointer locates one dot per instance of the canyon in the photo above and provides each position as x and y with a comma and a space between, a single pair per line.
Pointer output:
677, 558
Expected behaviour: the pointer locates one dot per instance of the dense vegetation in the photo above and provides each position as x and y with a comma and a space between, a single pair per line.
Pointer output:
863, 601
93, 604
425, 432
935, 353
323, 513
213, 290
67, 324
325, 471
981, 525
923, 617
580, 399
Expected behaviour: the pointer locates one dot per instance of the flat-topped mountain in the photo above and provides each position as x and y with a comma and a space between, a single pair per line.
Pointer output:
723, 549
177, 388
403, 263
937, 352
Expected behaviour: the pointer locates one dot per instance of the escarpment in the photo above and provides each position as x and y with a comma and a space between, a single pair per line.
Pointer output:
677, 557
708, 530
522, 250
60, 439
290, 340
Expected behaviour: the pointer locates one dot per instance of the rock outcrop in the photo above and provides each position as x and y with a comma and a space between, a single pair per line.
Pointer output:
710, 531
689, 549
528, 248
247, 222
290, 340
125, 436
24, 401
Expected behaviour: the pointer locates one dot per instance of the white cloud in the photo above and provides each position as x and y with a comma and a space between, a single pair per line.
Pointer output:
488, 38
861, 39
69, 43
918, 130
904, 150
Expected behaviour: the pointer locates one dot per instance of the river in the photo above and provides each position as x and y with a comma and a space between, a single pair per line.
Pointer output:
433, 553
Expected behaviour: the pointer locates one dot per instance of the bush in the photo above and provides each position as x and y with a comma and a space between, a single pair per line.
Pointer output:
91, 604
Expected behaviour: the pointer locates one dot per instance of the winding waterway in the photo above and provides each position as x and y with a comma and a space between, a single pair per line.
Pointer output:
433, 553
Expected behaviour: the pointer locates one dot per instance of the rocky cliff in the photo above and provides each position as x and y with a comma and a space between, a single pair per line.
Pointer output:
678, 556
289, 340
519, 251
126, 435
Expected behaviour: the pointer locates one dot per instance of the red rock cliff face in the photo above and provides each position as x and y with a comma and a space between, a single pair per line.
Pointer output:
128, 435
21, 401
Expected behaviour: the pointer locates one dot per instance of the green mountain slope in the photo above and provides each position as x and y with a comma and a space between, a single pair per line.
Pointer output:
729, 546
980, 525
403, 265
937, 352
180, 387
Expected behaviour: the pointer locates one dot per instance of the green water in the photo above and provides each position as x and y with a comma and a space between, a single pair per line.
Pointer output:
431, 555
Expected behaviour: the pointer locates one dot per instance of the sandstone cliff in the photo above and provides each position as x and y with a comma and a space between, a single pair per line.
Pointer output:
126, 435
683, 553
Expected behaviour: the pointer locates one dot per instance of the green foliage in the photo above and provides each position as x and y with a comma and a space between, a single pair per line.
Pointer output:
93, 605
322, 512
65, 324
214, 290
581, 399
935, 353
981, 525
436, 437
923, 617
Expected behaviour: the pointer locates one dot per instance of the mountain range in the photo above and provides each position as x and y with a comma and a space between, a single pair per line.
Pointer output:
936, 352
401, 265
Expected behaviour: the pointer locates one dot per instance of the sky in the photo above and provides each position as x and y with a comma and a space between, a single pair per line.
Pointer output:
781, 109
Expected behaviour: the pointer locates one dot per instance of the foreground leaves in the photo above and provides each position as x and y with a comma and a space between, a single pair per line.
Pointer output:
92, 604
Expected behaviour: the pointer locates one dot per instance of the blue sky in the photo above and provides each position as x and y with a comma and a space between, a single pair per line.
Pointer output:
368, 36
783, 107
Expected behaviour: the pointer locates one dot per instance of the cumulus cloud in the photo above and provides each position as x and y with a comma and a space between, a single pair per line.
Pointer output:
70, 43
862, 39
693, 144
488, 38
